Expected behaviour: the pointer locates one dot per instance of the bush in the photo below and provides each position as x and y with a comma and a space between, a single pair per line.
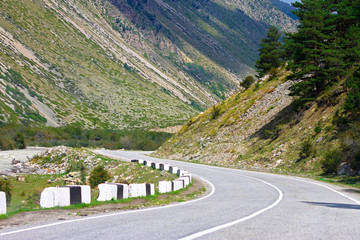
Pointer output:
318, 128
98, 175
272, 74
331, 162
6, 144
20, 140
248, 81
6, 186
306, 149
215, 112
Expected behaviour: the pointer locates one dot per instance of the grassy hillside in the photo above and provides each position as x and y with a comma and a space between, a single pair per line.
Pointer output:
121, 64
260, 128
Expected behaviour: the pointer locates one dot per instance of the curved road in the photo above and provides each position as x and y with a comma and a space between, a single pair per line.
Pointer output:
242, 205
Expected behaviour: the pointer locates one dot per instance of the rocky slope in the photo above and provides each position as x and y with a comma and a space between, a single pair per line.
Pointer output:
260, 128
125, 64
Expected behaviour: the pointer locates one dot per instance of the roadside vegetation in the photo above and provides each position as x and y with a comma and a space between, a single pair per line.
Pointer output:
13, 136
65, 166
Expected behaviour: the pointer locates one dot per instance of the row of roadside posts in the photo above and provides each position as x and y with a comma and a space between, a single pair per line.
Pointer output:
75, 194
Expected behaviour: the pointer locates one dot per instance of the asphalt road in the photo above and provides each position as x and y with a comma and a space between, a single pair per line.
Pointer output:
242, 205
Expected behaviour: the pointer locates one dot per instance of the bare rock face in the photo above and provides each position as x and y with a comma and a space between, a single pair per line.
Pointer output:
344, 169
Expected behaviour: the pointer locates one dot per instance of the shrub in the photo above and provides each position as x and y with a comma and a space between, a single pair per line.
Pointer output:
6, 186
20, 140
98, 175
248, 81
318, 128
215, 111
331, 161
306, 149
6, 144
272, 74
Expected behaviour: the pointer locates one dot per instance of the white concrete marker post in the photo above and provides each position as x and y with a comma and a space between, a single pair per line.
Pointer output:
62, 196
2, 203
55, 197
155, 165
137, 190
173, 170
47, 198
85, 193
177, 184
165, 186
181, 173
164, 166
186, 180
150, 189
125, 191
141, 189
133, 190
148, 163
107, 192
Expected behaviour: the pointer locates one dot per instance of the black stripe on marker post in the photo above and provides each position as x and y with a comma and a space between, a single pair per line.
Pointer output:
148, 189
183, 181
75, 195
120, 191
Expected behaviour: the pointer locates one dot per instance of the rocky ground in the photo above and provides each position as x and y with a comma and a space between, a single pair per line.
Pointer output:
6, 157
53, 161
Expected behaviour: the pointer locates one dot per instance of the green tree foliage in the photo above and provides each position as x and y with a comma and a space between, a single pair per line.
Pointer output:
19, 140
248, 81
353, 99
271, 52
98, 175
326, 46
331, 161
309, 47
14, 136
306, 149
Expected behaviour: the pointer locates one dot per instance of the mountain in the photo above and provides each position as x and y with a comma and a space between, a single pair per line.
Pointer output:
285, 7
126, 64
289, 1
262, 128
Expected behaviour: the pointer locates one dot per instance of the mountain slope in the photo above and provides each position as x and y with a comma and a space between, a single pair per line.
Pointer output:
260, 128
122, 64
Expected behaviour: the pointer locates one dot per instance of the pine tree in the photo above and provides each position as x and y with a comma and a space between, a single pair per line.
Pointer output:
271, 52
310, 44
326, 46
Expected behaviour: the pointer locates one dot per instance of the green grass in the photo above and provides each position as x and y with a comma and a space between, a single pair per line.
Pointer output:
35, 183
26, 194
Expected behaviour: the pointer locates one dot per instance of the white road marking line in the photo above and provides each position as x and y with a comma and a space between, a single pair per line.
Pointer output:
336, 191
114, 214
214, 229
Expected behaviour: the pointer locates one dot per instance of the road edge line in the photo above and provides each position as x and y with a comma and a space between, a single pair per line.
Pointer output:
214, 229
117, 213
